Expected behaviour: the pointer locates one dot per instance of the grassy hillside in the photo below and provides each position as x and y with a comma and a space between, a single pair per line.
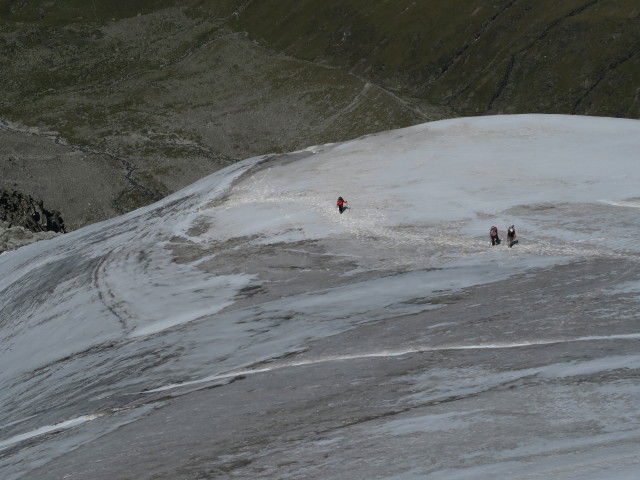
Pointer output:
123, 102
474, 56
152, 95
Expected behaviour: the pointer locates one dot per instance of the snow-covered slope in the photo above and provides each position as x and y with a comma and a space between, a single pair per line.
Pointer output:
243, 328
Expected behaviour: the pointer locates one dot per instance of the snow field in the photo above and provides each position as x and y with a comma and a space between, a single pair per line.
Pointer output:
229, 276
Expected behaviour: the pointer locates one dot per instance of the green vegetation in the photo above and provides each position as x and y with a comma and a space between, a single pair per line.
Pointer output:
476, 57
59, 13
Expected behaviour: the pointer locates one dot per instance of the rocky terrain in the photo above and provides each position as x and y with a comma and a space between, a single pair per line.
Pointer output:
24, 220
111, 106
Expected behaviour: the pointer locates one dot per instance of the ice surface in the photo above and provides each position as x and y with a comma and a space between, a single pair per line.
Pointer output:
243, 328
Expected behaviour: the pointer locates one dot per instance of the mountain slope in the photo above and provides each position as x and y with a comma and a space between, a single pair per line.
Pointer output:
243, 328
152, 98
510, 56
110, 106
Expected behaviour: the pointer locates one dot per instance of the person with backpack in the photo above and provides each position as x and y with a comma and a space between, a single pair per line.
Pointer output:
511, 235
342, 204
493, 234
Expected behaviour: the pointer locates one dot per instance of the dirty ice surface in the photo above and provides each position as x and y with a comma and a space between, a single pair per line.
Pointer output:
243, 328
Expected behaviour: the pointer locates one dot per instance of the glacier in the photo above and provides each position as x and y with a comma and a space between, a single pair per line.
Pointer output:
243, 328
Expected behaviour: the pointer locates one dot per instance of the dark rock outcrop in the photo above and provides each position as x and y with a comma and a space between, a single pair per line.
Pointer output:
18, 210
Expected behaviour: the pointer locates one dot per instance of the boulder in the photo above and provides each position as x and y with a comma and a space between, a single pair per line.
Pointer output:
24, 220
19, 210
